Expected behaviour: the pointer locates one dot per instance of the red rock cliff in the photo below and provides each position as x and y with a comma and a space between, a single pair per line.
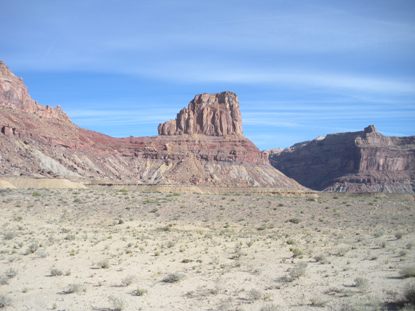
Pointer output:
14, 95
207, 114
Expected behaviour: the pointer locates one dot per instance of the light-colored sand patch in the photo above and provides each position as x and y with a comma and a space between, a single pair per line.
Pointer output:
37, 183
5, 184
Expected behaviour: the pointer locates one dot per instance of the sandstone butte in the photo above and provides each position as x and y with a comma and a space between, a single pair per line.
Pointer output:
204, 145
363, 161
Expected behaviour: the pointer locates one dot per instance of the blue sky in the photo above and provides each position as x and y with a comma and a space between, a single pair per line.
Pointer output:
301, 68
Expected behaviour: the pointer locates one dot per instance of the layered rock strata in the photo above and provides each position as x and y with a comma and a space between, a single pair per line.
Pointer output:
364, 161
205, 146
207, 114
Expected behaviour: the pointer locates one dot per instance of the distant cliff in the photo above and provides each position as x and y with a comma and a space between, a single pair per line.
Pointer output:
203, 146
364, 161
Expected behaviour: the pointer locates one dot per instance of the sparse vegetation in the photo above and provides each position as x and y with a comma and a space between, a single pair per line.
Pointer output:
215, 243
55, 272
4, 280
297, 271
270, 307
10, 235
296, 252
31, 248
409, 294
407, 272
139, 292
361, 283
117, 304
128, 280
4, 301
72, 288
320, 258
10, 273
103, 264
254, 294
172, 278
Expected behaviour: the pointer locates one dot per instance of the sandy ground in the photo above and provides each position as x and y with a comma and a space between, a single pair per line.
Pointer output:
107, 248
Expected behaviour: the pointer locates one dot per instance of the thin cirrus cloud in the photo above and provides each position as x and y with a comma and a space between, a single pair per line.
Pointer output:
302, 68
306, 78
118, 116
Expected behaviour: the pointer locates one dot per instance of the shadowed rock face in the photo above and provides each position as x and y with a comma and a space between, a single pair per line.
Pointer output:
209, 148
207, 114
364, 161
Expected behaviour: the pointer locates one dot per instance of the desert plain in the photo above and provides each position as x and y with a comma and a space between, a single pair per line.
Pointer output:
177, 248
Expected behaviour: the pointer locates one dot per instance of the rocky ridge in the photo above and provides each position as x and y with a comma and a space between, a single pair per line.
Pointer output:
206, 147
14, 95
363, 161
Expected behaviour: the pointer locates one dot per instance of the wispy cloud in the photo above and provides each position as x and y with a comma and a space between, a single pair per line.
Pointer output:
293, 77
302, 68
120, 116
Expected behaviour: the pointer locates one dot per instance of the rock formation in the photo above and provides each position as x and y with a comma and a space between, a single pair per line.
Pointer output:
14, 95
203, 146
207, 114
364, 161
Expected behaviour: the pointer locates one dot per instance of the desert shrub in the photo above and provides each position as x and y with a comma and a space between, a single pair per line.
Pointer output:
4, 280
127, 280
294, 220
409, 294
31, 248
103, 264
398, 235
10, 273
117, 303
41, 253
55, 272
361, 283
4, 301
254, 294
262, 227
361, 306
297, 271
166, 228
297, 252
139, 292
269, 307
72, 288
378, 234
36, 194
317, 302
9, 235
320, 258
172, 278
341, 251
70, 237
407, 272
290, 242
